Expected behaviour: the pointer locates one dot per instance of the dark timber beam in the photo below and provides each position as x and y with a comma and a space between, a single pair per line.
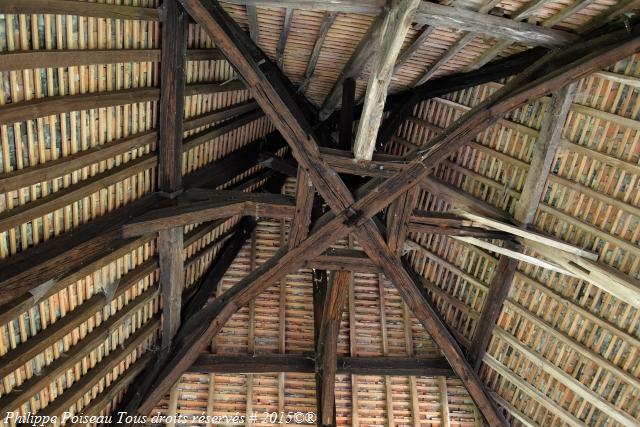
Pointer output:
345, 138
439, 15
172, 92
343, 260
395, 27
327, 344
498, 292
265, 82
284, 35
399, 366
327, 22
206, 205
71, 7
219, 267
305, 193
398, 216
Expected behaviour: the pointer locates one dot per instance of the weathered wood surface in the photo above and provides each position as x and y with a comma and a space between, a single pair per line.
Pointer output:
72, 7
30, 59
498, 292
327, 344
327, 22
495, 26
354, 67
544, 152
389, 42
210, 205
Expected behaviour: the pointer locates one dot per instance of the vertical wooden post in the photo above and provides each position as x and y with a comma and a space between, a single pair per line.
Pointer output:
334, 300
345, 139
170, 242
171, 97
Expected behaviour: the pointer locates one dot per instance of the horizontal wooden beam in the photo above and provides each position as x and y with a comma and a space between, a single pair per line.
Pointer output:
366, 7
437, 15
72, 256
207, 205
43, 107
343, 259
72, 7
401, 366
55, 58
66, 196
444, 223
21, 178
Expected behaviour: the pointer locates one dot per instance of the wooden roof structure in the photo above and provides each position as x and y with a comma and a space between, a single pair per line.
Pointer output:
352, 212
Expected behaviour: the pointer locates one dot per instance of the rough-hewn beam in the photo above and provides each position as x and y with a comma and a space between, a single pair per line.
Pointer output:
172, 92
400, 366
461, 19
345, 130
343, 260
71, 7
210, 205
327, 345
327, 22
284, 35
305, 193
498, 292
544, 152
352, 69
398, 215
395, 27
24, 60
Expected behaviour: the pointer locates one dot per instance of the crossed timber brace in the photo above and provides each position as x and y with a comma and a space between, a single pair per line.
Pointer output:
351, 216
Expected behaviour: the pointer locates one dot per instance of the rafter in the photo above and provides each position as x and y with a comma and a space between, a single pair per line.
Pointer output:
462, 42
445, 16
284, 35
498, 292
327, 22
402, 104
395, 27
544, 152
354, 67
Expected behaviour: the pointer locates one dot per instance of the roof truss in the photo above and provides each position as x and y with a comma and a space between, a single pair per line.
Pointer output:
355, 216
